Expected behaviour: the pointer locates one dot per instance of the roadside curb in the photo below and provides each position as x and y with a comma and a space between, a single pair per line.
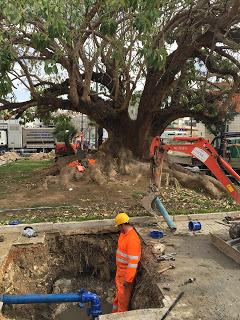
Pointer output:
50, 226
205, 216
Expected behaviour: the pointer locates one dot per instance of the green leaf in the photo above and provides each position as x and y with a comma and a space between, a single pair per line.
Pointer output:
50, 67
12, 13
40, 41
6, 59
5, 86
56, 29
109, 27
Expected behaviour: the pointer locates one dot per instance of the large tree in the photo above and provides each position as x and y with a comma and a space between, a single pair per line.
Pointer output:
94, 56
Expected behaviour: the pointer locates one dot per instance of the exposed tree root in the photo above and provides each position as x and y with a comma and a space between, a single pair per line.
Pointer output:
112, 165
194, 181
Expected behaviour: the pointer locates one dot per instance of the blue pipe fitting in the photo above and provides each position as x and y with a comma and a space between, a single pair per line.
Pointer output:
83, 296
160, 207
96, 307
194, 226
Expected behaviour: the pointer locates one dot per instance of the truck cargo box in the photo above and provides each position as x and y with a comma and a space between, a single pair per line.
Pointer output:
38, 138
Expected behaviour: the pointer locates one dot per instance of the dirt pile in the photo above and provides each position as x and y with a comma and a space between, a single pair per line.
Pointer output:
42, 156
9, 157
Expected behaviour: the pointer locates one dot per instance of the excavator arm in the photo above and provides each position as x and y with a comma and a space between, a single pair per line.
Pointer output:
203, 151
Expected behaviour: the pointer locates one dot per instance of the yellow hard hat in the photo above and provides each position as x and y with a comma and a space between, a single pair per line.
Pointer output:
121, 218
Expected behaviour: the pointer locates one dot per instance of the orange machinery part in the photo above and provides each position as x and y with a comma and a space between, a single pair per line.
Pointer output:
203, 151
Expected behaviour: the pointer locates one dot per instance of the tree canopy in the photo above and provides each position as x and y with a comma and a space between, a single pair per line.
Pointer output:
94, 56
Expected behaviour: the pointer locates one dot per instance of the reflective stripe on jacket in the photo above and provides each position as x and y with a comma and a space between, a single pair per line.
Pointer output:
128, 255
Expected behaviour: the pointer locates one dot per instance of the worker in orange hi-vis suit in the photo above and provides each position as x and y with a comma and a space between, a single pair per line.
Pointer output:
127, 258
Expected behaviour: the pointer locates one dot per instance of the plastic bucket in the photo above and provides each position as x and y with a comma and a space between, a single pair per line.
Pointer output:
194, 226
156, 234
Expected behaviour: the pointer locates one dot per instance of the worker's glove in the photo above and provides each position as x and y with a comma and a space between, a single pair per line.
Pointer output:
127, 284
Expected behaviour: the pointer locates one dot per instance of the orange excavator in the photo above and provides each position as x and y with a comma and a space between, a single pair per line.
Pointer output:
202, 150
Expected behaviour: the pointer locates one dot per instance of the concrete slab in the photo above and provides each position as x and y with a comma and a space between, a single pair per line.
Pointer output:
143, 314
39, 227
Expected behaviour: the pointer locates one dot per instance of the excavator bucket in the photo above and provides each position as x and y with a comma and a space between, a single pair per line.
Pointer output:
147, 202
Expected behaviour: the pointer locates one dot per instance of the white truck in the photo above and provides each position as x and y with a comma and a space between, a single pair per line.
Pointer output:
13, 136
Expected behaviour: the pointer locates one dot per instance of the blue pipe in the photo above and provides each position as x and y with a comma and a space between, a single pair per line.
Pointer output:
82, 297
40, 298
160, 207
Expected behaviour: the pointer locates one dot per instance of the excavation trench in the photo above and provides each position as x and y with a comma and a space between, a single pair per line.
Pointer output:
67, 263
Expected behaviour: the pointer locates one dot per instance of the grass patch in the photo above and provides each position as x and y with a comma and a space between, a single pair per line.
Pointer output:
137, 195
49, 218
206, 210
22, 166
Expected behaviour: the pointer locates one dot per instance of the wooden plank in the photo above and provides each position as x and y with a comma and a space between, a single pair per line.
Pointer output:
227, 249
234, 242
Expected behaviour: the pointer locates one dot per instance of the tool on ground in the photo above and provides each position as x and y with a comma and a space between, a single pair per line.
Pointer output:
83, 296
171, 266
190, 280
179, 296
194, 226
167, 257
229, 218
224, 224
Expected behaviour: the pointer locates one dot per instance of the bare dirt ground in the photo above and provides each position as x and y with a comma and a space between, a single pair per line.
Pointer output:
21, 186
215, 294
91, 199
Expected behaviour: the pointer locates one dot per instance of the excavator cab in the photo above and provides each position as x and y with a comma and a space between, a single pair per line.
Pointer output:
227, 146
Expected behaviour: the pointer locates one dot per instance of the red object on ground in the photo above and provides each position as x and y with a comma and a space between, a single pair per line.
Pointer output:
91, 162
73, 164
76, 164
203, 151
81, 168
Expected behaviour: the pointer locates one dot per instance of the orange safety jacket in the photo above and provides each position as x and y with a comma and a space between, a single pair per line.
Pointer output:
128, 255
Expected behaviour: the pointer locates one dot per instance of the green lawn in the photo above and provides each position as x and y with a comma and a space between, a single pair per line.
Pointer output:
22, 166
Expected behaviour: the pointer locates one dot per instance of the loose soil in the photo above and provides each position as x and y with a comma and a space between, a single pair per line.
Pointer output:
67, 263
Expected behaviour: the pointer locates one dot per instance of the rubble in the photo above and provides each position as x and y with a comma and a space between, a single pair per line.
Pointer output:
42, 156
9, 157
